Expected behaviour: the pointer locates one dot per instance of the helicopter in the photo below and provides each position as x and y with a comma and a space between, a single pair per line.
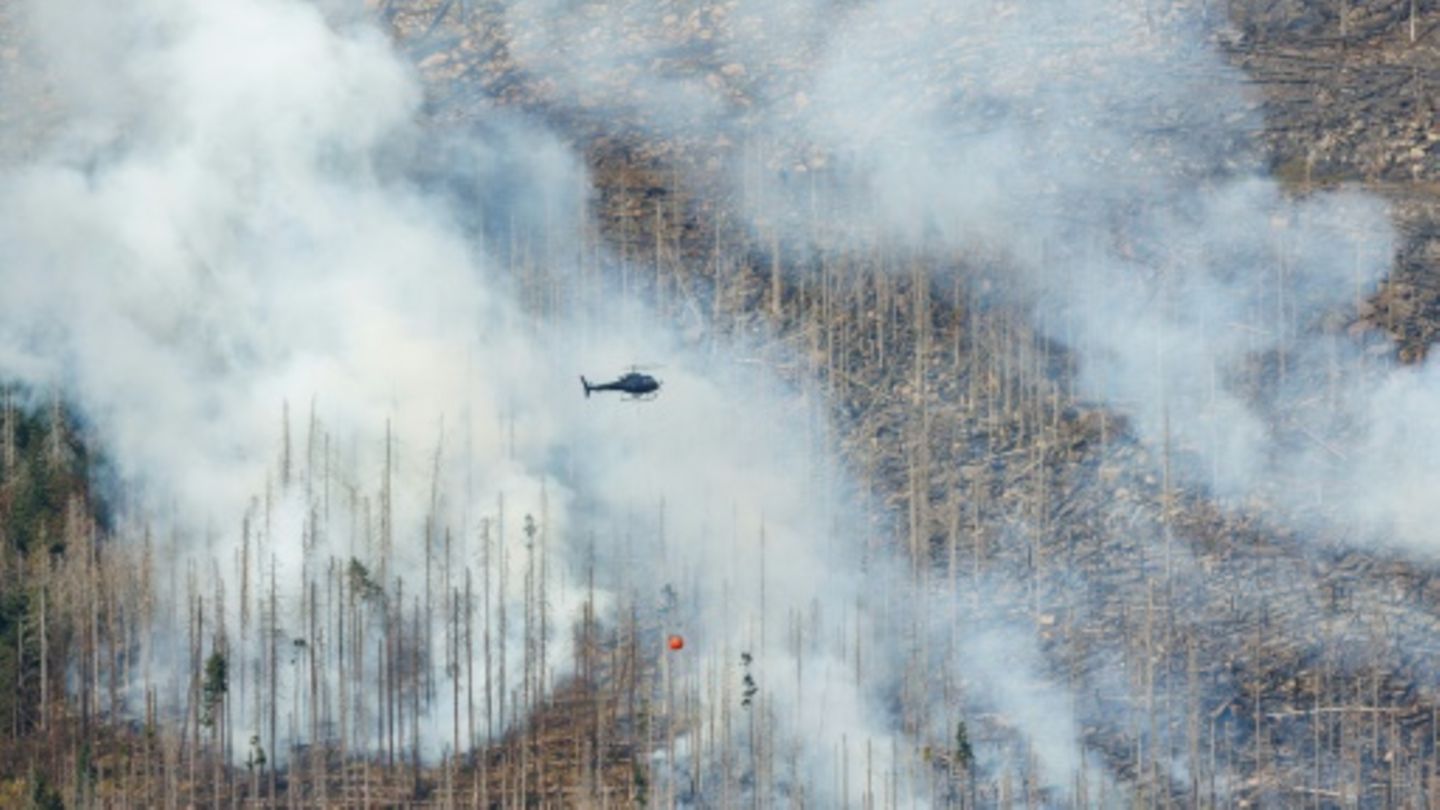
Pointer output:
638, 386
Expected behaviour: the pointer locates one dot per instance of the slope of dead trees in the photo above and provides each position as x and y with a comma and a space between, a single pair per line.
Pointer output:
1271, 669
1351, 94
1216, 658
129, 683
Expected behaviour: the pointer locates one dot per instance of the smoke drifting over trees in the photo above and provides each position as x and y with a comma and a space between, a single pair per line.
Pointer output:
954, 302
1066, 142
303, 342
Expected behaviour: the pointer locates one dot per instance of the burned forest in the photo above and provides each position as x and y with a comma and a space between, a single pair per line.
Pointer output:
1048, 416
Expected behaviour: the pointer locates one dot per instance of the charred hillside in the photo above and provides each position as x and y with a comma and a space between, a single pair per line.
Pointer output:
1213, 648
1276, 667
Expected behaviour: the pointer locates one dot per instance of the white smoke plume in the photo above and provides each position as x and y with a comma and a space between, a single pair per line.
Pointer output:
1063, 142
236, 208
280, 303
1096, 159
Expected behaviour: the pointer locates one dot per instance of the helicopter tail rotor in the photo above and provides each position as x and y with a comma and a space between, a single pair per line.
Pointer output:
586, 384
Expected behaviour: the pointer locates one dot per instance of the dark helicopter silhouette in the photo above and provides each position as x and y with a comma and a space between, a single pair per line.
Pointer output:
633, 383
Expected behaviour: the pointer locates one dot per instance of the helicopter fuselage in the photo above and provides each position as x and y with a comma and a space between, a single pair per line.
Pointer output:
635, 384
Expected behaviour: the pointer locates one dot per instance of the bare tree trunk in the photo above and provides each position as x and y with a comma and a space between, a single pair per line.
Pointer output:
7, 434
342, 743
489, 671
501, 588
271, 640
285, 445
452, 668
44, 650
469, 666
317, 757
416, 662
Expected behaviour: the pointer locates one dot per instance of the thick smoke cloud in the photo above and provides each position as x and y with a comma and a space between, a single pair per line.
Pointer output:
236, 208
1098, 158
1138, 225
280, 303
218, 224
1095, 158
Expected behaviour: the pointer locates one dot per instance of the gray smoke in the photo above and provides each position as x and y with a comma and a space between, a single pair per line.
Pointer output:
264, 283
230, 206
1097, 159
